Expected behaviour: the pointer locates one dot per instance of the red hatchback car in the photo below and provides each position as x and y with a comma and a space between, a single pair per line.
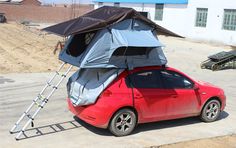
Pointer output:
151, 94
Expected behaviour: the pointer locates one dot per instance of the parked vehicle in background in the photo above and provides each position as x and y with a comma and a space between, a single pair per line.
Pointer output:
150, 94
2, 18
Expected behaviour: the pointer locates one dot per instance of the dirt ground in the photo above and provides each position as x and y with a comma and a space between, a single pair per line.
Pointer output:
218, 142
24, 51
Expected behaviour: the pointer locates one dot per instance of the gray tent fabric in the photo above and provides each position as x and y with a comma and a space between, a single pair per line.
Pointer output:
85, 85
128, 33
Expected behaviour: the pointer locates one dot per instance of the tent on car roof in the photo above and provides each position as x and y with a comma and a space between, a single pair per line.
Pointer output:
103, 43
111, 37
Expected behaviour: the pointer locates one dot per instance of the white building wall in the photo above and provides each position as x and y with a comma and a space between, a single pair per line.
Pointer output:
213, 31
180, 18
104, 4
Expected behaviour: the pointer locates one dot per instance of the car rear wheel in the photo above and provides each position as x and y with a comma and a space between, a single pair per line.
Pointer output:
211, 111
123, 122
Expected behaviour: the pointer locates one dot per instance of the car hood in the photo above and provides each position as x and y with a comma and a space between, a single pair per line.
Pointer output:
207, 84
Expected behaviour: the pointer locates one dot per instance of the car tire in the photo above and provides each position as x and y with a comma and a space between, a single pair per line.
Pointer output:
211, 111
123, 122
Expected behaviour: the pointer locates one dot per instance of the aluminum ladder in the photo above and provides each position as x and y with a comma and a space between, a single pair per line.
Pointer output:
39, 102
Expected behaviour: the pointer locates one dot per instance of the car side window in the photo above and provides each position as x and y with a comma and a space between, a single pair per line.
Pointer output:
145, 79
174, 80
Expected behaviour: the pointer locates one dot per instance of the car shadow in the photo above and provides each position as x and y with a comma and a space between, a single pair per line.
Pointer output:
150, 126
173, 123
77, 123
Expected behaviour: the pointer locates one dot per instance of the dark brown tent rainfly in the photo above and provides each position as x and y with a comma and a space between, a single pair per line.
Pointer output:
101, 18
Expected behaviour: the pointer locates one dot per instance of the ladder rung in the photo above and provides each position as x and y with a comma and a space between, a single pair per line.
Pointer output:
37, 104
41, 97
62, 75
29, 116
57, 73
49, 84
55, 87
45, 100
16, 124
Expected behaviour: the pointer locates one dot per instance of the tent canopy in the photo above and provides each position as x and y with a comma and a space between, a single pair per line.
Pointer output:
101, 18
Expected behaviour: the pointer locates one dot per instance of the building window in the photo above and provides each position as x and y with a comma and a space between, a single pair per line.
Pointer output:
229, 19
159, 12
201, 18
117, 4
100, 4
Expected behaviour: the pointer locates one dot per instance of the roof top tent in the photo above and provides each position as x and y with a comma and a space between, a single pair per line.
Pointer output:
111, 37
102, 43
127, 44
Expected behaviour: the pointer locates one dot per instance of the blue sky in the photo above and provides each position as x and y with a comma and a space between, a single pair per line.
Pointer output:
65, 1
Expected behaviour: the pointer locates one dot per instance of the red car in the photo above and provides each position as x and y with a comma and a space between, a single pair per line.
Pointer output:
151, 94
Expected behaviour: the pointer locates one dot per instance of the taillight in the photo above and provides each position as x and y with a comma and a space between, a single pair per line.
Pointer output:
106, 93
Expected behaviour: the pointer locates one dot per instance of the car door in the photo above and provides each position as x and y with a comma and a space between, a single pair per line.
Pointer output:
149, 98
182, 98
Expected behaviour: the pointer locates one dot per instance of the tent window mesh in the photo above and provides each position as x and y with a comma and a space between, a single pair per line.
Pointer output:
131, 51
88, 37
79, 43
159, 12
229, 22
201, 18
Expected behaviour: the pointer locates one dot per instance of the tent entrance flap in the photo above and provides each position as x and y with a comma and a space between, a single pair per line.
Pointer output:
78, 43
75, 48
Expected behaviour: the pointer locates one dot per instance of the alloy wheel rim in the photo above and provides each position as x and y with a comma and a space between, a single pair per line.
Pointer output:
212, 110
124, 122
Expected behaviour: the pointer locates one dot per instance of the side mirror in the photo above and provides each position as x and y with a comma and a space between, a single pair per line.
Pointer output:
195, 86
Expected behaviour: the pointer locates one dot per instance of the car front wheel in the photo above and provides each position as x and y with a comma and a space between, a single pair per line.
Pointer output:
123, 122
211, 111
